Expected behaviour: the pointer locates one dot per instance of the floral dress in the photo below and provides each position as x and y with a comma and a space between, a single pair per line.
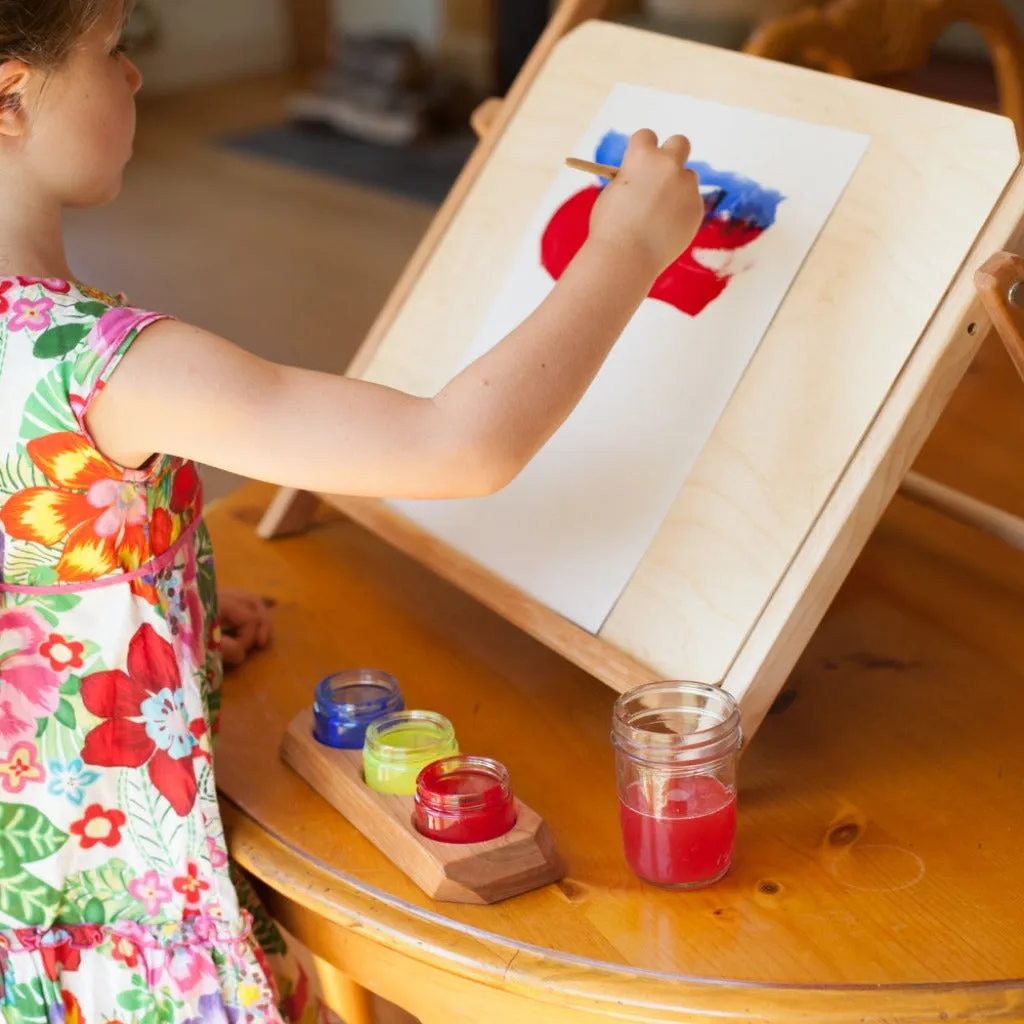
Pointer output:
117, 900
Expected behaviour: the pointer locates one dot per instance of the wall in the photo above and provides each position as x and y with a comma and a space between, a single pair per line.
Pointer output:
423, 19
206, 40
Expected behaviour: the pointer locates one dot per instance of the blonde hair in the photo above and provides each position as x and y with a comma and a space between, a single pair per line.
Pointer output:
43, 32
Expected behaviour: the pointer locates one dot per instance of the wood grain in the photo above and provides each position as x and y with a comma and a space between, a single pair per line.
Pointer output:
873, 812
751, 553
523, 860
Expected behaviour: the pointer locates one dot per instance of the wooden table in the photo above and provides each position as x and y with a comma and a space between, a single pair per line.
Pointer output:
879, 872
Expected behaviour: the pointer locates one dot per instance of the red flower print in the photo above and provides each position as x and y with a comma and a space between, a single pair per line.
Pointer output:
51, 284
214, 634
295, 1003
63, 654
98, 826
60, 948
125, 951
161, 531
202, 750
190, 885
167, 524
146, 721
185, 488
5, 303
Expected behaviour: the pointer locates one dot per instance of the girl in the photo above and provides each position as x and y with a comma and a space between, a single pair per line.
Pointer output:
116, 897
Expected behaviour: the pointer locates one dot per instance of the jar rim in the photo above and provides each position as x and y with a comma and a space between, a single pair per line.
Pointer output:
328, 689
499, 789
376, 735
716, 733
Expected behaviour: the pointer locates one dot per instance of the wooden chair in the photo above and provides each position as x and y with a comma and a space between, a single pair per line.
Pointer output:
877, 39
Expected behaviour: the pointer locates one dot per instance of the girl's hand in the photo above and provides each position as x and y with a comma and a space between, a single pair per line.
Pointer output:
245, 625
652, 209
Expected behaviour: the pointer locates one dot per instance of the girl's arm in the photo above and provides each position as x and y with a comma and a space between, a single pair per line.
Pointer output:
182, 391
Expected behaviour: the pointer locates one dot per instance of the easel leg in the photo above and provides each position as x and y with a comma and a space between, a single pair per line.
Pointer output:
964, 509
1000, 284
351, 1002
290, 512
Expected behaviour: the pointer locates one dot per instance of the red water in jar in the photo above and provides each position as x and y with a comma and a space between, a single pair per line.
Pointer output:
687, 840
464, 799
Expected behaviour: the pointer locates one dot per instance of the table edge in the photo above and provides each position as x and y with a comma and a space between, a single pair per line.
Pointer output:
566, 979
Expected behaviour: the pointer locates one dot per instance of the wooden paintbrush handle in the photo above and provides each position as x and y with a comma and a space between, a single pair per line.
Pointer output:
601, 170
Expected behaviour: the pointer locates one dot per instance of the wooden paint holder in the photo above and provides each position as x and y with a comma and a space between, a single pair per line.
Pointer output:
522, 860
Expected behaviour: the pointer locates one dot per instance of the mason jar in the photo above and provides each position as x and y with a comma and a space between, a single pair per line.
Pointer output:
676, 748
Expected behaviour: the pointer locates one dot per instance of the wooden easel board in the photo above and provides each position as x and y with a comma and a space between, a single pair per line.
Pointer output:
872, 338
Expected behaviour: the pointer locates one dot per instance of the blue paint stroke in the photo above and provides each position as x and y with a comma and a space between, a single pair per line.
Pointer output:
611, 150
739, 198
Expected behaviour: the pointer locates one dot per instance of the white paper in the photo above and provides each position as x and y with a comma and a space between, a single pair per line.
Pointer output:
572, 529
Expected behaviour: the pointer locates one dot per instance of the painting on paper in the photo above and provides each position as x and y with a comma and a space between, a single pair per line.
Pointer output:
571, 530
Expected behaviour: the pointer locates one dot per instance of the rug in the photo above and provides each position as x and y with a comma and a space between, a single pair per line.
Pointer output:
424, 172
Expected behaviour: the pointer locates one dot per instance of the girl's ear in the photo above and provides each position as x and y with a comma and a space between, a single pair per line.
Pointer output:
14, 75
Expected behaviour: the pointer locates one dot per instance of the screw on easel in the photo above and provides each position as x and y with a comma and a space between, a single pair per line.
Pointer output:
1016, 294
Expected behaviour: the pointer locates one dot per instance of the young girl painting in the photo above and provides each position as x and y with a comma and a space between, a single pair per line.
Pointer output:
117, 897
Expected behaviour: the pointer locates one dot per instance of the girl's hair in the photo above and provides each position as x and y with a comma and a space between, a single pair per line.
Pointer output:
42, 32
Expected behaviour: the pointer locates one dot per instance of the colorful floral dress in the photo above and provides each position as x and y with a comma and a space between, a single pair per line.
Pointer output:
116, 896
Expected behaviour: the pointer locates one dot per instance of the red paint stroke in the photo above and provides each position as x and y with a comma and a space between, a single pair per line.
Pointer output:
686, 284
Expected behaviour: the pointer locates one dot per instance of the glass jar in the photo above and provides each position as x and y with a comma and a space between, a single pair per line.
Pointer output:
464, 799
676, 747
399, 746
348, 702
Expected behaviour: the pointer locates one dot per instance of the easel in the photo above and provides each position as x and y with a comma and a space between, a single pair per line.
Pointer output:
751, 643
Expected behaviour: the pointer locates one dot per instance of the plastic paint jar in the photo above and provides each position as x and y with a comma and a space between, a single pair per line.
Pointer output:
399, 746
676, 748
348, 702
464, 799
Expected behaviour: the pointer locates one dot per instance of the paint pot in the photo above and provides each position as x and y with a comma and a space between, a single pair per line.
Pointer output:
399, 746
347, 703
464, 799
676, 748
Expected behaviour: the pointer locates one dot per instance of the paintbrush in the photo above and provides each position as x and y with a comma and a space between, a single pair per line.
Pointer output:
712, 194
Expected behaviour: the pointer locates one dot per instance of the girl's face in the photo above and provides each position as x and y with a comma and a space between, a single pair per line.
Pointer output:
80, 119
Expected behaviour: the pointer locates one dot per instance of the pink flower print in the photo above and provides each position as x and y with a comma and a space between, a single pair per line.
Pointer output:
151, 891
122, 503
187, 966
29, 688
112, 329
51, 284
31, 315
21, 768
218, 855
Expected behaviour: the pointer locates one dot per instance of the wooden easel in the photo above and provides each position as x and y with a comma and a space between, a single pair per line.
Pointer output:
743, 611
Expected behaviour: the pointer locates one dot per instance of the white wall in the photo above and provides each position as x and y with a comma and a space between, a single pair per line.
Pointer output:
206, 40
